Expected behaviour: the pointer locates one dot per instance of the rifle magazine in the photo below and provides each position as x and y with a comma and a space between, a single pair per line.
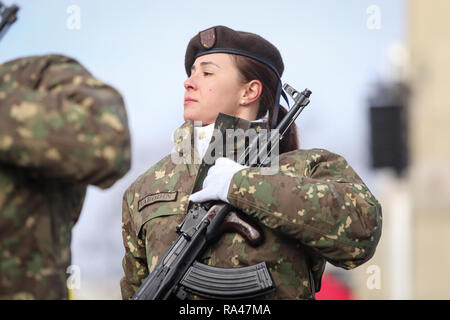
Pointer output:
222, 283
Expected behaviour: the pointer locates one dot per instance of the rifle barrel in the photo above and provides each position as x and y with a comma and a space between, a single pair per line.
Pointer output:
8, 17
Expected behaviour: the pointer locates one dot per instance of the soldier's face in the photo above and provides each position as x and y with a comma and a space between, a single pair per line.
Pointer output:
214, 86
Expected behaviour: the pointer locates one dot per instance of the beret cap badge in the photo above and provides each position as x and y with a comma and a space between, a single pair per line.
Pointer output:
208, 38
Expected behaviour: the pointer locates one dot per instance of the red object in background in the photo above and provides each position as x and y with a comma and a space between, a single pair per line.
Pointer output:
333, 288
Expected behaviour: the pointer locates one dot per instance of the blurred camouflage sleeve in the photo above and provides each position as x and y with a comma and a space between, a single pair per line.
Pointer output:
58, 120
134, 262
317, 199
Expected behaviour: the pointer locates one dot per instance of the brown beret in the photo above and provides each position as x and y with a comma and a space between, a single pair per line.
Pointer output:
221, 39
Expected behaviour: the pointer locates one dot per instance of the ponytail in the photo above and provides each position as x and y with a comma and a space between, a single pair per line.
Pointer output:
290, 139
251, 69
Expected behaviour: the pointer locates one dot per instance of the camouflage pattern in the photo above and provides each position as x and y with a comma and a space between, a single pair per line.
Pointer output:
315, 209
61, 129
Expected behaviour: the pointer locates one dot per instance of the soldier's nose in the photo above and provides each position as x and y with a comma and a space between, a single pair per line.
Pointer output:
189, 84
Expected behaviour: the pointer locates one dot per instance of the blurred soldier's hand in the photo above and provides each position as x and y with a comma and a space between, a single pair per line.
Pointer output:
217, 182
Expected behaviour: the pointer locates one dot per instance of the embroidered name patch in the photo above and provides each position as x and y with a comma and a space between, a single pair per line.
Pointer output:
157, 197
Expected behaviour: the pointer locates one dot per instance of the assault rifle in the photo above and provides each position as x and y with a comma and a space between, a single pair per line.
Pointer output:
7, 17
178, 272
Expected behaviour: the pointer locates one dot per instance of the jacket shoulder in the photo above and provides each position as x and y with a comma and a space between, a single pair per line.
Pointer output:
306, 161
149, 175
316, 154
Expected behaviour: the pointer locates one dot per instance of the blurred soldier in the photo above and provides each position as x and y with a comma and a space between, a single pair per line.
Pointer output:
314, 209
61, 130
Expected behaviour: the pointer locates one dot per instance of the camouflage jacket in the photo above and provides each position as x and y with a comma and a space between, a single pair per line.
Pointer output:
60, 130
315, 209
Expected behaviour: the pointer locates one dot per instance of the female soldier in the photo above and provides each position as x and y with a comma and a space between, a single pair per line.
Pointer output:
315, 209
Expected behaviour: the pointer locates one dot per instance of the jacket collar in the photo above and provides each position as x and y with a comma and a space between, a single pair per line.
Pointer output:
184, 137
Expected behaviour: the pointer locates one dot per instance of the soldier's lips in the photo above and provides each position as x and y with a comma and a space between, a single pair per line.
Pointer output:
189, 100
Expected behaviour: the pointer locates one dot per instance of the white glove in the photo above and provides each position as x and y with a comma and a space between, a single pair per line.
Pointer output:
217, 182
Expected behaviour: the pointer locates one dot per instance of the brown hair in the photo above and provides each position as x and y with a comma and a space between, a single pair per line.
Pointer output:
251, 69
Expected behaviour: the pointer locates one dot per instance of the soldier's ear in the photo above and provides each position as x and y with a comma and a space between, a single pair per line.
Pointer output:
251, 92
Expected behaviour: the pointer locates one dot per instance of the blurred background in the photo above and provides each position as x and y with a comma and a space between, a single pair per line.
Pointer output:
378, 71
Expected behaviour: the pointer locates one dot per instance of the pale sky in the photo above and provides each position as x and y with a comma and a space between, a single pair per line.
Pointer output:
337, 49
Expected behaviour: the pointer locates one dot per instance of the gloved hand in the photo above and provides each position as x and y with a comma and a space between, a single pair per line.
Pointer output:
217, 182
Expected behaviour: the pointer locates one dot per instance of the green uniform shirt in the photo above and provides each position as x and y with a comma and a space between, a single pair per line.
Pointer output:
60, 130
315, 209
